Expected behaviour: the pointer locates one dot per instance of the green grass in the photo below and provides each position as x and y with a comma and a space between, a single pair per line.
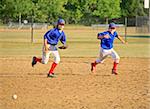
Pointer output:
81, 42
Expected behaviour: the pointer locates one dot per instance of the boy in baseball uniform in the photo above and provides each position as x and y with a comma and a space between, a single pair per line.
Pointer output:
106, 47
51, 39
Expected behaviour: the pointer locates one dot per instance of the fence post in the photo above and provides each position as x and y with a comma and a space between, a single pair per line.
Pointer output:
32, 27
149, 21
126, 29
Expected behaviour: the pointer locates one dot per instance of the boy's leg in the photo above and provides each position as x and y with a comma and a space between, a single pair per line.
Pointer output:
101, 59
114, 69
43, 60
45, 57
55, 63
116, 59
35, 60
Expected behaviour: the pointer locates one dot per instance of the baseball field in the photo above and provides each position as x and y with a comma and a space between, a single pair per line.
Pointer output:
75, 87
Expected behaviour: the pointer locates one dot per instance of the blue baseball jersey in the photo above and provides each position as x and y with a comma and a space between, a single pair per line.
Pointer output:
54, 35
107, 43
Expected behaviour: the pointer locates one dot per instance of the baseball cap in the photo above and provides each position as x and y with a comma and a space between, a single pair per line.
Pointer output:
60, 21
112, 25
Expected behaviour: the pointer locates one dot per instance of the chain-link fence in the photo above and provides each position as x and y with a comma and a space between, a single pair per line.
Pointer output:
142, 24
139, 21
16, 25
139, 24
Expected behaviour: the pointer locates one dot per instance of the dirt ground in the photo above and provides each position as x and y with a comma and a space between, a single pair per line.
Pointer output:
75, 87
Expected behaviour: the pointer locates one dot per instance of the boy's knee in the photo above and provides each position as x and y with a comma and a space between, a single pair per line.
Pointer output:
57, 61
117, 60
99, 61
44, 62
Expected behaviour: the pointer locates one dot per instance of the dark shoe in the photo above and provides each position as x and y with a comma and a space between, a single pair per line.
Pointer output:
93, 67
114, 72
34, 61
51, 75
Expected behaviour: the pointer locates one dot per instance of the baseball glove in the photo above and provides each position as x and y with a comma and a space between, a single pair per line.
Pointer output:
62, 47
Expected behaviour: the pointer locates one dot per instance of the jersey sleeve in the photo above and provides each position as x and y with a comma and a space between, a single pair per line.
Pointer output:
116, 34
47, 34
63, 38
102, 34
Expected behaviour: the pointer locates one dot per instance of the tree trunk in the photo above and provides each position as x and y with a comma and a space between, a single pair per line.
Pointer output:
19, 19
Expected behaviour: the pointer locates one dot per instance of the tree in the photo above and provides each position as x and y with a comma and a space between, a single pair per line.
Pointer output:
14, 9
6, 10
22, 8
107, 8
131, 8
49, 10
73, 11
93, 10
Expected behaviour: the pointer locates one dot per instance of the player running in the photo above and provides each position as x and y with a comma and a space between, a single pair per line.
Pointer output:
106, 49
51, 39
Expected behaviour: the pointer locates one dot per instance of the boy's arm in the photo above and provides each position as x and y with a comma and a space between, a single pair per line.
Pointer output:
121, 39
46, 45
63, 41
102, 35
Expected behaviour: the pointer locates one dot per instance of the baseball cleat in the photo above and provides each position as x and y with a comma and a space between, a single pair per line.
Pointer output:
51, 75
114, 72
34, 61
93, 67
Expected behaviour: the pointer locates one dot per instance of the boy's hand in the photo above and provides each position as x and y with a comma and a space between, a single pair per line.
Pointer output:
106, 36
46, 47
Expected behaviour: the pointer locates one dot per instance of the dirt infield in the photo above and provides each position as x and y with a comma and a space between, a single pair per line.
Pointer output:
75, 87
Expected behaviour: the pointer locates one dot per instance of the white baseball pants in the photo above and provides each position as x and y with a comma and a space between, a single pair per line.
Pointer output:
104, 53
45, 56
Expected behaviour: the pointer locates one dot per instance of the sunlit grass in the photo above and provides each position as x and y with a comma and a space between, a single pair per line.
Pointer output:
82, 43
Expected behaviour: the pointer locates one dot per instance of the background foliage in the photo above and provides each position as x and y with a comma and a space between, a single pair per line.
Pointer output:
73, 11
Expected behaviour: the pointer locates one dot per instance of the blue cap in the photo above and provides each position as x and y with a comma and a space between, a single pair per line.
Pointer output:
112, 25
60, 21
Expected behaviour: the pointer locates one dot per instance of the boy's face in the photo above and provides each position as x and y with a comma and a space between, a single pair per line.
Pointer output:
112, 29
61, 26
